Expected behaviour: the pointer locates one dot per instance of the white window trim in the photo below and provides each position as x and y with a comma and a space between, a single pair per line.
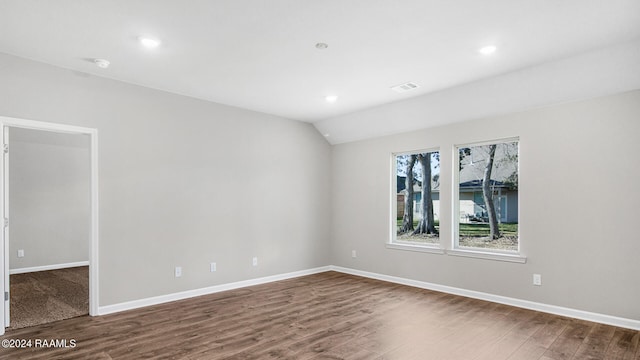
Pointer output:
479, 253
393, 243
469, 253
488, 255
426, 248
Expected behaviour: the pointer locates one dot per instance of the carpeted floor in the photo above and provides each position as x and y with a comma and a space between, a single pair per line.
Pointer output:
46, 296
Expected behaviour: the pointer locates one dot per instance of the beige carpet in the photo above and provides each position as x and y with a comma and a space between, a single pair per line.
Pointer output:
46, 296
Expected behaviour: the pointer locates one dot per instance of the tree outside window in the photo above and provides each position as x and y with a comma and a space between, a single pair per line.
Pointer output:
418, 196
487, 191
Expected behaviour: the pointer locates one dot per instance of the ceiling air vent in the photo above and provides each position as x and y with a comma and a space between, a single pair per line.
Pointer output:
405, 87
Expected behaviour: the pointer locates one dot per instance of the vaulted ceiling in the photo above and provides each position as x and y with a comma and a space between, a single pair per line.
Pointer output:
262, 55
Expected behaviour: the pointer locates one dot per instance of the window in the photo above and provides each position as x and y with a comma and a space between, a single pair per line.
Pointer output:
487, 197
416, 195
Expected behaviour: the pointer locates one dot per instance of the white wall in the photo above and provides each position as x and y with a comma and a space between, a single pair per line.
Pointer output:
49, 198
578, 206
185, 182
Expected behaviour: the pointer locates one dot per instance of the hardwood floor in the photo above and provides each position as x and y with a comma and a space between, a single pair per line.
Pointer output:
329, 316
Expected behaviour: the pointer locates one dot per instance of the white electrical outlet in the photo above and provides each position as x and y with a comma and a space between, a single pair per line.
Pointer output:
255, 261
537, 279
353, 254
212, 267
178, 271
20, 253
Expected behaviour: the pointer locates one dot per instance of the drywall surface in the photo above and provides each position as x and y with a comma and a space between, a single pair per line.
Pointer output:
578, 195
596, 73
184, 182
49, 198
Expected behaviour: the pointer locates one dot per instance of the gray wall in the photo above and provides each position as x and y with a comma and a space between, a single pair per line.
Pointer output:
49, 198
578, 206
185, 182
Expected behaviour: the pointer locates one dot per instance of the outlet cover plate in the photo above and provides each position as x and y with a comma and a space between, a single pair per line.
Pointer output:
537, 279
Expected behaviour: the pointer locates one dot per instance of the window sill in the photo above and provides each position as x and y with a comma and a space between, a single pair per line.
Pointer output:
432, 249
515, 258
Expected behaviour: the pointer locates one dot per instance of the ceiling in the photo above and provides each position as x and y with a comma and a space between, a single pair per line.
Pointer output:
261, 55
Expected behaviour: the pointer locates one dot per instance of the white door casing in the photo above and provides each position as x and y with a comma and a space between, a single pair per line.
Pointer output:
5, 124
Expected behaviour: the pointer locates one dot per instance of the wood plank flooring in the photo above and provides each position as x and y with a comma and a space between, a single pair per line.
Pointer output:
329, 316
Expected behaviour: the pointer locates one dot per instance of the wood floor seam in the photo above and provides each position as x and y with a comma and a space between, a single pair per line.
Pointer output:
330, 315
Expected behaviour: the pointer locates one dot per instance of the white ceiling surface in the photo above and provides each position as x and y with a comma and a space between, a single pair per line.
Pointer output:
605, 71
261, 55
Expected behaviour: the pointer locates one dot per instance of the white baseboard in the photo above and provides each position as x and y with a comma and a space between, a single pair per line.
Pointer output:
48, 267
552, 309
135, 304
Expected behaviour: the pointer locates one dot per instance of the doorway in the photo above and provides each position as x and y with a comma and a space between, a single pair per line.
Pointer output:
51, 255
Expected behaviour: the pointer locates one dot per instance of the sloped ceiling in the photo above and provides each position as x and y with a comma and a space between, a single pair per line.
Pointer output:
262, 55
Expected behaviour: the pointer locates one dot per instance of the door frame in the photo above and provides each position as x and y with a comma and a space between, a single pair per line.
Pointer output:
5, 124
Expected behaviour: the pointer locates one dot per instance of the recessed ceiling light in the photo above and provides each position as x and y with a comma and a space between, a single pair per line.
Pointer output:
102, 63
487, 50
149, 42
321, 46
331, 98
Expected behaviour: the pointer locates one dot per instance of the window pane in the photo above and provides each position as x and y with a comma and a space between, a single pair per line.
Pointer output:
488, 196
417, 198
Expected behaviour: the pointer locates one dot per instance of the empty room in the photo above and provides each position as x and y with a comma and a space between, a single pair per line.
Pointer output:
295, 179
